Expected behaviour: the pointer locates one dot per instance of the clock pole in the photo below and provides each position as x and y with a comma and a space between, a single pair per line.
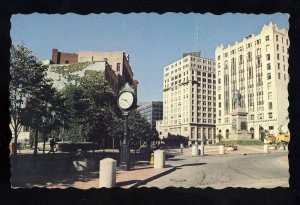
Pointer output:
125, 150
128, 96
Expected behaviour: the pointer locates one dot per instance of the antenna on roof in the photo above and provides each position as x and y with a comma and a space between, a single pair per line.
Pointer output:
197, 30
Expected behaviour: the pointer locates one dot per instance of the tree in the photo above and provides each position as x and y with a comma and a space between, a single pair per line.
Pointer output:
92, 107
27, 83
140, 129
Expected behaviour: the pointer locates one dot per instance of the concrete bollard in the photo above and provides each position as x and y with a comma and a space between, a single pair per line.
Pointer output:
159, 159
195, 150
107, 176
202, 149
266, 148
221, 149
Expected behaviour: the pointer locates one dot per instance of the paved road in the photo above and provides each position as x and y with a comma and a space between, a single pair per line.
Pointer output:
220, 171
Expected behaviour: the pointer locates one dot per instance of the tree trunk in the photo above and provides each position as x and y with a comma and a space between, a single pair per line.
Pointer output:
113, 144
15, 147
44, 144
36, 134
103, 140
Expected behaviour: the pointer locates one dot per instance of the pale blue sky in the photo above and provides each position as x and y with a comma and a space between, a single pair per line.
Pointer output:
151, 40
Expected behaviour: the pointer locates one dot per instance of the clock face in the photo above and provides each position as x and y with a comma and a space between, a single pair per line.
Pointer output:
125, 100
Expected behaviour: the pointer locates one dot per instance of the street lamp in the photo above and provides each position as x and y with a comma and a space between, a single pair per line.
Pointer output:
126, 102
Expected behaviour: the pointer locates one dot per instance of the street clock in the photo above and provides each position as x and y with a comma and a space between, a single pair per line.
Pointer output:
126, 98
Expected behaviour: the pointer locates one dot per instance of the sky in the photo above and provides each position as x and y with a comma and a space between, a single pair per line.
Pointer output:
151, 40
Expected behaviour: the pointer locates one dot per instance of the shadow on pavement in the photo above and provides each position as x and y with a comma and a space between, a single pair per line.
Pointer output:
174, 160
125, 183
194, 164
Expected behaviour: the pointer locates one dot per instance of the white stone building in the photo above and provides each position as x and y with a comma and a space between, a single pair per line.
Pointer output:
258, 68
189, 98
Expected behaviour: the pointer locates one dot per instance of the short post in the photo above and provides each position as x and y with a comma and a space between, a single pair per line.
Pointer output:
159, 159
221, 149
152, 159
195, 151
202, 148
181, 148
107, 176
266, 148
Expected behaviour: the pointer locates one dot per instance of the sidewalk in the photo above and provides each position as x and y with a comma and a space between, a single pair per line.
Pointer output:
141, 173
242, 150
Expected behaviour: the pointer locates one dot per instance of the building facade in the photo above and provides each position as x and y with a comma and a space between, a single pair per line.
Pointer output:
54, 72
118, 60
189, 97
151, 111
256, 67
63, 58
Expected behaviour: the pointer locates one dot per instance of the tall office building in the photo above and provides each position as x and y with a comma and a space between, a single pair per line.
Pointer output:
189, 98
256, 67
151, 111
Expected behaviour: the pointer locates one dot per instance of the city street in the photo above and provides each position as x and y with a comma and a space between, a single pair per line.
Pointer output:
220, 171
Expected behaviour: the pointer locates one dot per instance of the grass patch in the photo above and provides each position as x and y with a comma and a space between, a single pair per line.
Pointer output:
240, 142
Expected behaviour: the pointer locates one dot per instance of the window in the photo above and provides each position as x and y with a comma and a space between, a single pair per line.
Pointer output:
267, 48
270, 115
118, 66
267, 38
268, 57
276, 37
269, 66
271, 127
219, 105
278, 76
269, 86
270, 105
277, 47
278, 65
67, 62
277, 56
269, 76
270, 95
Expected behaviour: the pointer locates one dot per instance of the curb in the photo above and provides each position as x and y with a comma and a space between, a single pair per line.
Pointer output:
136, 184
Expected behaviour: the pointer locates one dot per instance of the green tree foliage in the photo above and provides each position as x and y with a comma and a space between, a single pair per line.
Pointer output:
28, 81
92, 107
140, 129
94, 115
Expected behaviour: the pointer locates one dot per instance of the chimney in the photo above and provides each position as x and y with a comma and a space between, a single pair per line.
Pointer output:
55, 55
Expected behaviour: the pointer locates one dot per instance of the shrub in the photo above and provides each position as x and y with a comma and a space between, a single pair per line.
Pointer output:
240, 142
74, 146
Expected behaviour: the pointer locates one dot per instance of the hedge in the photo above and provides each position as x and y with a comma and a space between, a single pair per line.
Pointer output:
240, 142
73, 146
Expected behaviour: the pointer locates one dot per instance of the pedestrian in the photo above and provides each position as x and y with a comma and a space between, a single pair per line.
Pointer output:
181, 148
52, 145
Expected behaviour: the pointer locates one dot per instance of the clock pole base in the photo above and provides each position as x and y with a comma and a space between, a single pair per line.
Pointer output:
124, 158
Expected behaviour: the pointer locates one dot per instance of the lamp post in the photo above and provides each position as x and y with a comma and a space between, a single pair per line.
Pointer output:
126, 102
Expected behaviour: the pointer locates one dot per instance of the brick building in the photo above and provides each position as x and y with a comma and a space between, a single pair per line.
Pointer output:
63, 58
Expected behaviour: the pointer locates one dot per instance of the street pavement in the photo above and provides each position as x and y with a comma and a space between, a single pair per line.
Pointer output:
248, 167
